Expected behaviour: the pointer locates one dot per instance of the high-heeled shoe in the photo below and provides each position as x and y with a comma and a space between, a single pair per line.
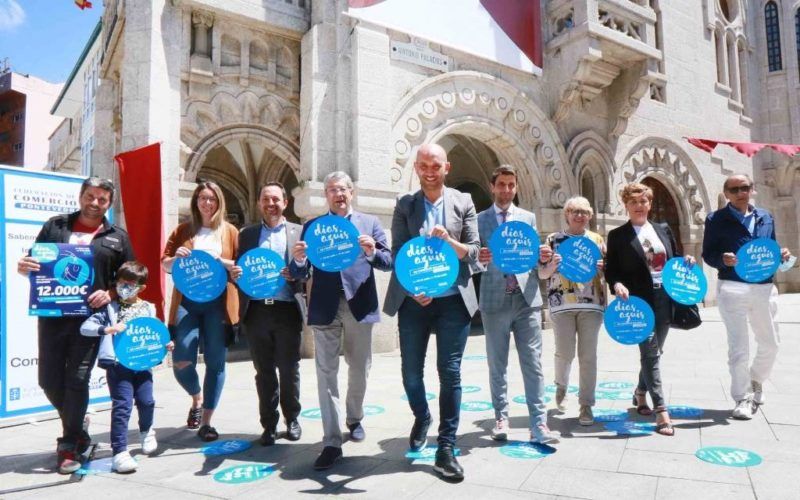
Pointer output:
642, 409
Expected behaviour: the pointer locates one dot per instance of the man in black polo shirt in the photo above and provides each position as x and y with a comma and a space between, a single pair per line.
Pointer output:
66, 357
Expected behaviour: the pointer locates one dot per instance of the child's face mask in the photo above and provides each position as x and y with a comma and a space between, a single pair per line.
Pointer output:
127, 291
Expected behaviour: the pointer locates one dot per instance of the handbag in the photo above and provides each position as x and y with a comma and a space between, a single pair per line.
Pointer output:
685, 317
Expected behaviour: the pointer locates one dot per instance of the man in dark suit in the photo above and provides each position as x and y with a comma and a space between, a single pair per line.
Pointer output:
438, 212
274, 326
342, 308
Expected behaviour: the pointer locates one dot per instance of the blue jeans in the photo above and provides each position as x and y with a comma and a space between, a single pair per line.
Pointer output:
198, 322
449, 318
127, 386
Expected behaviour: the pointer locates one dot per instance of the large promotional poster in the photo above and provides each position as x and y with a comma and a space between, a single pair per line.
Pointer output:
507, 32
27, 200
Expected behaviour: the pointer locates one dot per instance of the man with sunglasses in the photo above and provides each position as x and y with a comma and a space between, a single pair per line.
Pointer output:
726, 231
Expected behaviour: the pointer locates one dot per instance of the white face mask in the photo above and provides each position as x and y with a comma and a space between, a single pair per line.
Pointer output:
126, 292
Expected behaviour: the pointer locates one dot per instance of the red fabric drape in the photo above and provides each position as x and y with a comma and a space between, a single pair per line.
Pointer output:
746, 148
140, 185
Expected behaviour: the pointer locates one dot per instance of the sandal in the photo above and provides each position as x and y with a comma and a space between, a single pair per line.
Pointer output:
664, 428
641, 409
193, 420
208, 433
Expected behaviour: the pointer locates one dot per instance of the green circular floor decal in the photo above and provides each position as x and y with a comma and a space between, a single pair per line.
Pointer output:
729, 457
245, 473
523, 450
476, 406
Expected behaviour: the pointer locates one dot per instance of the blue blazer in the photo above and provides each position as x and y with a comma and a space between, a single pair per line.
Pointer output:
724, 233
357, 281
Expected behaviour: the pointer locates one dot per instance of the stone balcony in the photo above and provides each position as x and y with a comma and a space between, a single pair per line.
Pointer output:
591, 42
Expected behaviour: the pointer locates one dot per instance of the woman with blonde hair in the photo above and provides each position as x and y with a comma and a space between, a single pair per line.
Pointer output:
192, 322
576, 310
637, 252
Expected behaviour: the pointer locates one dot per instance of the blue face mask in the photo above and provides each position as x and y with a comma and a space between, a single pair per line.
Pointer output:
126, 291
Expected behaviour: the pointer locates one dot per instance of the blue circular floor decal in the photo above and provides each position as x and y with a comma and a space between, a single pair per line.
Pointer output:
227, 447
730, 457
609, 415
521, 399
524, 450
468, 389
613, 395
373, 410
99, 466
312, 413
679, 411
428, 395
631, 428
245, 473
571, 389
615, 386
474, 357
428, 454
476, 406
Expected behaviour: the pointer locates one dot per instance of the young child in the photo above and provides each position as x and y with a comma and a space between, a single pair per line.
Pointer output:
125, 385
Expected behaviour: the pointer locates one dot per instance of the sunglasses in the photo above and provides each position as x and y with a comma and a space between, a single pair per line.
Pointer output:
740, 189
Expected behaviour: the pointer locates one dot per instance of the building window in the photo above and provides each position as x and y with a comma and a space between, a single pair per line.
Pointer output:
773, 36
17, 147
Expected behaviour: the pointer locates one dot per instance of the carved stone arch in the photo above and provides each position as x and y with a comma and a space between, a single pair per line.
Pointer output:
665, 160
589, 154
491, 110
233, 184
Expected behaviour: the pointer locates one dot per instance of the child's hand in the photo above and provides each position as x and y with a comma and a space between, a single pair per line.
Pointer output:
113, 330
170, 346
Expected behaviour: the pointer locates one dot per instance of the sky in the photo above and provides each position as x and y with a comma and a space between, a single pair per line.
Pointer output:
44, 38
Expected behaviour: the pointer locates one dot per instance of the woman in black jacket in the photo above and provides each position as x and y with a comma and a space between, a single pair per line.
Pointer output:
637, 252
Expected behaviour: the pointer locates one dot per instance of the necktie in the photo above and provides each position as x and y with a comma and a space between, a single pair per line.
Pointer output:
512, 286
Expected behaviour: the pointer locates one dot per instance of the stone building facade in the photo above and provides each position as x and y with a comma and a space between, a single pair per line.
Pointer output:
290, 90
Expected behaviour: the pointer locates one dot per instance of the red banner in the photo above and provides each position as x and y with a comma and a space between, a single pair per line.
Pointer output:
140, 186
748, 149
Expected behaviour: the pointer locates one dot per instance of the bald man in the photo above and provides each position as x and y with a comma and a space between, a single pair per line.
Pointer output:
726, 231
439, 212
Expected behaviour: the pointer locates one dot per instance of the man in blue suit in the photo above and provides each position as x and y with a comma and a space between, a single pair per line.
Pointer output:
342, 308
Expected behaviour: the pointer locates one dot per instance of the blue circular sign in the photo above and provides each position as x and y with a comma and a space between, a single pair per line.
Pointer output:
686, 285
579, 256
515, 247
199, 276
227, 447
757, 260
679, 411
615, 386
426, 265
629, 321
476, 406
428, 395
523, 450
609, 415
730, 457
628, 428
428, 454
142, 345
332, 243
261, 273
245, 473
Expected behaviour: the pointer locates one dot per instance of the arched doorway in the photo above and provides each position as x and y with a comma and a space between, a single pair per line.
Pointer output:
472, 163
664, 208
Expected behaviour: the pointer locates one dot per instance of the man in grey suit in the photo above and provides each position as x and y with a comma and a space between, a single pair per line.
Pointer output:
512, 302
438, 212
274, 326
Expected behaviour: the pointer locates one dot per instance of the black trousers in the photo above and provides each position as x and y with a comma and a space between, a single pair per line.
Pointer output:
274, 334
66, 359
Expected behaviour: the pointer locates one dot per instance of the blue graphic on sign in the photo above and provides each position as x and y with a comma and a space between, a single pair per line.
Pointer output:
246, 473
757, 260
615, 386
579, 256
515, 247
428, 395
474, 357
631, 428
199, 276
227, 447
426, 265
373, 410
686, 285
311, 413
467, 389
523, 450
63, 283
428, 454
476, 405
551, 388
629, 321
609, 415
99, 466
679, 411
261, 273
142, 345
521, 399
730, 457
332, 243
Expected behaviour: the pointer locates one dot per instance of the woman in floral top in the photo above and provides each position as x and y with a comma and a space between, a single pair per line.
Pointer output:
576, 310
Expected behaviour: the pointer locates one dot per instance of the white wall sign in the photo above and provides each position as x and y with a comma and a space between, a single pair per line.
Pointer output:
418, 52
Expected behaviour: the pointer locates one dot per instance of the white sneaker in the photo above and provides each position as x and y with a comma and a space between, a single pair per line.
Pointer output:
744, 410
543, 435
758, 393
500, 431
149, 443
123, 463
